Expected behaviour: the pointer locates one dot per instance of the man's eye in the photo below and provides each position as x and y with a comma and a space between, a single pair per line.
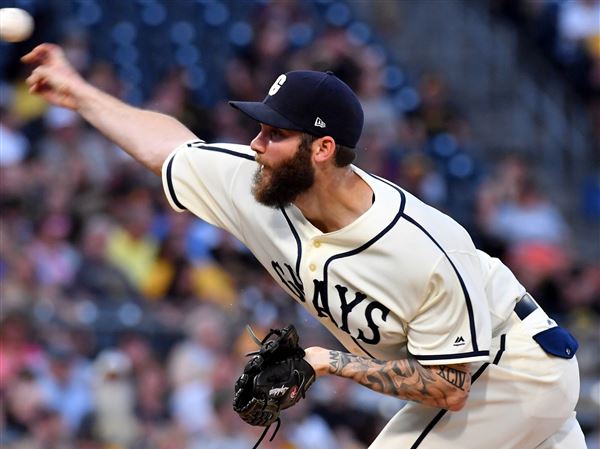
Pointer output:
275, 134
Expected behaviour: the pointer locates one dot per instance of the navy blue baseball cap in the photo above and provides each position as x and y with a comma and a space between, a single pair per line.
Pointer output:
317, 103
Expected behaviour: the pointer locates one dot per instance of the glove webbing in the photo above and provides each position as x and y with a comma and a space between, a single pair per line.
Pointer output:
260, 342
278, 421
257, 340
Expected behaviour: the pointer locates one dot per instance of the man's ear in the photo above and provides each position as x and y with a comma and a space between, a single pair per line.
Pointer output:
323, 149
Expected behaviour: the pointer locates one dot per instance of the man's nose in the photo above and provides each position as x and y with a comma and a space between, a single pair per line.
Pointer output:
257, 145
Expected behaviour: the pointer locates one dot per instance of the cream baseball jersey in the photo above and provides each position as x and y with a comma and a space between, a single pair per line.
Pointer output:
402, 277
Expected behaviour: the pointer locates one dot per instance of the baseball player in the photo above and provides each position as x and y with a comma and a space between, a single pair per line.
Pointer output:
424, 315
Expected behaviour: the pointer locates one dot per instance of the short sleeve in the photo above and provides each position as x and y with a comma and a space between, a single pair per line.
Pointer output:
453, 323
199, 177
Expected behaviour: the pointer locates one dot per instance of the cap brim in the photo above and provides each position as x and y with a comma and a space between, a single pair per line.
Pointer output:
264, 114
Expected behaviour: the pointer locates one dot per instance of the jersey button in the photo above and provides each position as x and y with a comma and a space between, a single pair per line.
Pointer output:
316, 244
312, 267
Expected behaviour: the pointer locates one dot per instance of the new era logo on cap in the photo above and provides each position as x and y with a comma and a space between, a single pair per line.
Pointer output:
317, 103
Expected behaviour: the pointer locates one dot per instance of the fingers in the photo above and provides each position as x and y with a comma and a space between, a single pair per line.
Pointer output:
57, 96
43, 54
53, 77
34, 55
40, 81
37, 83
37, 76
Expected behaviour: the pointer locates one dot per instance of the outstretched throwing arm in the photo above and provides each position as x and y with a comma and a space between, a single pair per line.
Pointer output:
146, 135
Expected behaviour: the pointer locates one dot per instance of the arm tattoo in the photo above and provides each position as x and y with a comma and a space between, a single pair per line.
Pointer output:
453, 376
442, 386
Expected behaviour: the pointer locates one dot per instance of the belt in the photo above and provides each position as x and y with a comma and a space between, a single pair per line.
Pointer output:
525, 306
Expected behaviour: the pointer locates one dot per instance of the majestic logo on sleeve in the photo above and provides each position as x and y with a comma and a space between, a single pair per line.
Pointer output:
367, 330
460, 341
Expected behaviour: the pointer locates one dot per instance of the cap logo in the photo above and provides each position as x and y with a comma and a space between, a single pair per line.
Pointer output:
277, 85
320, 123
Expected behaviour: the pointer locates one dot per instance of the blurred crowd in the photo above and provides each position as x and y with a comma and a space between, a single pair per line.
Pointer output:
122, 322
568, 33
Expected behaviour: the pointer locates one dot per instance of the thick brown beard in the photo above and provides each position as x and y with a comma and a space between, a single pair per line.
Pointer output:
288, 180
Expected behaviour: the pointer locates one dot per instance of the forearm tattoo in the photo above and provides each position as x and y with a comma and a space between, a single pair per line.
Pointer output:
453, 376
442, 386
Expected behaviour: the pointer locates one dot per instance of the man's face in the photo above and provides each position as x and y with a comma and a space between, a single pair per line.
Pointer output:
285, 168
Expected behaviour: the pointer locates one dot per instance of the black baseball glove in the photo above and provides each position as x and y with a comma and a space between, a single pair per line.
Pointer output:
275, 378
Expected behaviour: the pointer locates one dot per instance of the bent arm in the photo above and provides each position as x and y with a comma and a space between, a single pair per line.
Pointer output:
147, 136
442, 386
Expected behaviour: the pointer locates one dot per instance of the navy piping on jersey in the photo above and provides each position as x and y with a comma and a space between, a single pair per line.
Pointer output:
171, 187
451, 356
202, 146
476, 351
475, 376
298, 242
370, 242
501, 351
460, 279
199, 145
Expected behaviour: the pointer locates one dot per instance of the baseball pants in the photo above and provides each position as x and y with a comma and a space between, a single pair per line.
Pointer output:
522, 399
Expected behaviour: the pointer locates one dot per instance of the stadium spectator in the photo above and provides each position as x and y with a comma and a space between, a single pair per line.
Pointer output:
66, 386
97, 278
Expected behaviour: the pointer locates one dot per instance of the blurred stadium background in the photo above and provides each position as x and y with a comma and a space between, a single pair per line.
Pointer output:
122, 323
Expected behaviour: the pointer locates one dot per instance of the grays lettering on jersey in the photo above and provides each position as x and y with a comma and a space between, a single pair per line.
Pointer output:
402, 277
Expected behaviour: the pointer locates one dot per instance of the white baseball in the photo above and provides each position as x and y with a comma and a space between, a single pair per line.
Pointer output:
16, 24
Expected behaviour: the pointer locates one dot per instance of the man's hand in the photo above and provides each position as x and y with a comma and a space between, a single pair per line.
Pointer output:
318, 358
54, 78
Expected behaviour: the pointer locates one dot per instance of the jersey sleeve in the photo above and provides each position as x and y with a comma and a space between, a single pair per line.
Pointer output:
453, 323
199, 177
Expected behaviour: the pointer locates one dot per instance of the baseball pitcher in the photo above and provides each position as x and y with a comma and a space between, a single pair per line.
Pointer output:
424, 315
